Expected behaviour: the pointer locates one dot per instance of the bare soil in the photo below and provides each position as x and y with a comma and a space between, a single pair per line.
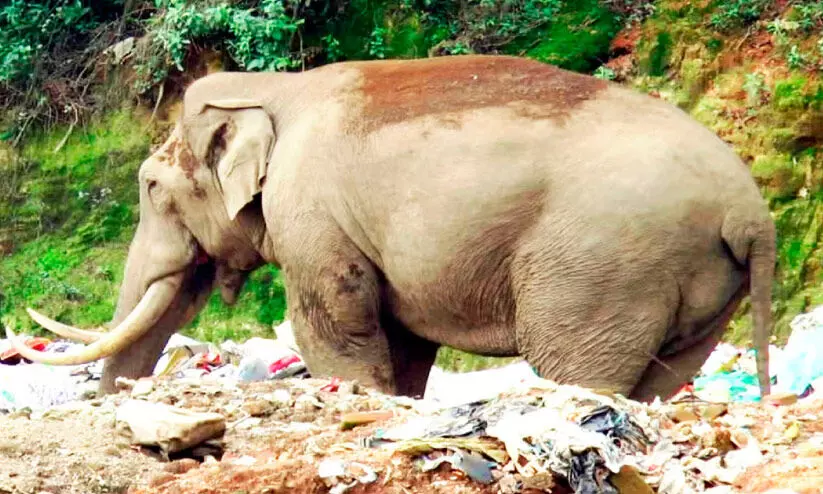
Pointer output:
76, 449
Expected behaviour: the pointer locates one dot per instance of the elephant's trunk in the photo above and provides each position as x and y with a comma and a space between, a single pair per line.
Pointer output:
140, 357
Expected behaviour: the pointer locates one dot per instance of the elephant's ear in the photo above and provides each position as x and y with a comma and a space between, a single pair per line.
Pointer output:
241, 147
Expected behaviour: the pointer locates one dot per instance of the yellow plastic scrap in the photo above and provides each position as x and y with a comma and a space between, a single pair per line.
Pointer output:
629, 481
792, 432
176, 358
729, 365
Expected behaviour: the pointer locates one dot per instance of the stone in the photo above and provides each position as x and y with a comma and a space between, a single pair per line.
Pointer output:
779, 399
142, 387
717, 438
349, 388
170, 428
181, 466
259, 408
712, 411
682, 413
543, 481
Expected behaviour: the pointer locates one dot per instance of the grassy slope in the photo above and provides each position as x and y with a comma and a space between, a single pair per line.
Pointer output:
71, 268
72, 235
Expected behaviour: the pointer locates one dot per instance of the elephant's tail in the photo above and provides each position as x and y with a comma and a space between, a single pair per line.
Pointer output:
752, 242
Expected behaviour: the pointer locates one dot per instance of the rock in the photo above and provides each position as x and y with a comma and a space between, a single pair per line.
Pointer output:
124, 383
142, 387
543, 481
717, 438
181, 466
307, 402
112, 450
281, 397
779, 399
682, 413
259, 408
172, 429
712, 411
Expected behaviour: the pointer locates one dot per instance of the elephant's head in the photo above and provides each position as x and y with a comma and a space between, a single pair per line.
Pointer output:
200, 225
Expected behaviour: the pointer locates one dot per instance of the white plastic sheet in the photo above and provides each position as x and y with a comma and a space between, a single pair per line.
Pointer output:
802, 358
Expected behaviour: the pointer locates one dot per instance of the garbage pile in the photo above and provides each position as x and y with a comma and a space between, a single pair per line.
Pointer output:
25, 385
537, 437
249, 417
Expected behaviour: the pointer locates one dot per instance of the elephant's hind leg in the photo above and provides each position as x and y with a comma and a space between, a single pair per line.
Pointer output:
665, 375
596, 333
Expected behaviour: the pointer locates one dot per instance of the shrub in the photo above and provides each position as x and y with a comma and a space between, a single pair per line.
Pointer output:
732, 14
256, 37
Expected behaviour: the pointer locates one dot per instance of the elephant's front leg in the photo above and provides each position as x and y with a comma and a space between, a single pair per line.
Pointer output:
334, 302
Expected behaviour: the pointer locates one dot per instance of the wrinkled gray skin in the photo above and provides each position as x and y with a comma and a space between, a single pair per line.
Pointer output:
495, 205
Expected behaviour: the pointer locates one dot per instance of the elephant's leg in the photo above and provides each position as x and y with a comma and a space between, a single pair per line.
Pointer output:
333, 294
665, 375
597, 333
412, 357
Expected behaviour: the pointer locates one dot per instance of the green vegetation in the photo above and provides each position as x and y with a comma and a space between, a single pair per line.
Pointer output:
73, 216
256, 38
78, 115
32, 28
577, 39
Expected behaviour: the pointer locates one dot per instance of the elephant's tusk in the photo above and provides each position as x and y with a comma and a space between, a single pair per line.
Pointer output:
151, 307
65, 330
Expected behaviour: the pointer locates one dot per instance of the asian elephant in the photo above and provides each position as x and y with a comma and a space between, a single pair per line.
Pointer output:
494, 204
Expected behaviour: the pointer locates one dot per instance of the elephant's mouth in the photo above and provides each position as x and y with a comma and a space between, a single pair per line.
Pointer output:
157, 299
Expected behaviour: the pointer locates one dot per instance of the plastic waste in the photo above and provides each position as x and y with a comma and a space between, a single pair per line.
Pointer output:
471, 464
736, 386
170, 428
585, 475
286, 367
38, 387
256, 359
341, 476
10, 356
615, 425
802, 361
569, 432
253, 368
722, 359
456, 388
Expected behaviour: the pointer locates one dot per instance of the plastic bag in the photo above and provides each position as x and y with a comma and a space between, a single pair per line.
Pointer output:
802, 361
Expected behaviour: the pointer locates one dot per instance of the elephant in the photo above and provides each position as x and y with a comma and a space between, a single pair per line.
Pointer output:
491, 203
